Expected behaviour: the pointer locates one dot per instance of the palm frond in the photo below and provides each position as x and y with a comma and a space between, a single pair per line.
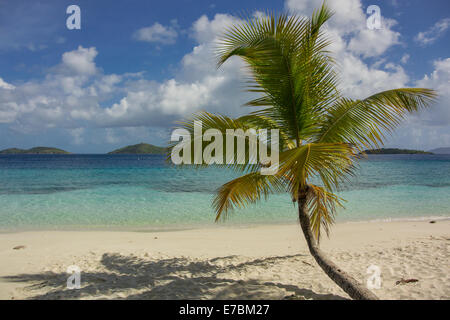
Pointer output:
260, 121
331, 162
223, 124
289, 64
363, 123
322, 207
246, 189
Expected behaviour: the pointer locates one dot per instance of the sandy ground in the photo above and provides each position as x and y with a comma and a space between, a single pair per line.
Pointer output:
263, 262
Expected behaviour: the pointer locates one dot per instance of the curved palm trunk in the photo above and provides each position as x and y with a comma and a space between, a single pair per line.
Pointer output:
342, 279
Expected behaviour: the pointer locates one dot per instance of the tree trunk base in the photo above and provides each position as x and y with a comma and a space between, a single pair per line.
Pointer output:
347, 283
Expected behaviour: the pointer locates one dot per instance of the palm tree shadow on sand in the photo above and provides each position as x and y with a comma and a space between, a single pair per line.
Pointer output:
130, 277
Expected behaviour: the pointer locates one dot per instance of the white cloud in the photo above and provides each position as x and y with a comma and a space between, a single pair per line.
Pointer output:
198, 85
5, 85
429, 128
439, 80
205, 30
360, 80
348, 15
69, 95
352, 42
348, 26
432, 34
375, 42
156, 33
74, 93
405, 58
80, 61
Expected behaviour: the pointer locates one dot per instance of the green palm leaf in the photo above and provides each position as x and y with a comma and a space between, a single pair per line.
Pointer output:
322, 207
244, 190
289, 65
331, 162
223, 123
364, 122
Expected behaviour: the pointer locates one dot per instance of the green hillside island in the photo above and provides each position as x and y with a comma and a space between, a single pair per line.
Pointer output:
394, 151
36, 150
141, 148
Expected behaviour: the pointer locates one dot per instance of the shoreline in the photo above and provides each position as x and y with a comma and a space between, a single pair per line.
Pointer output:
259, 262
221, 225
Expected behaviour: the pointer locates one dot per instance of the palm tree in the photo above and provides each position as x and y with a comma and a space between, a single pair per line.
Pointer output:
321, 131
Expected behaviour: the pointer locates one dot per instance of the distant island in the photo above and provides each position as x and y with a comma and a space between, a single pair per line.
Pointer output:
145, 148
441, 150
141, 148
394, 151
36, 150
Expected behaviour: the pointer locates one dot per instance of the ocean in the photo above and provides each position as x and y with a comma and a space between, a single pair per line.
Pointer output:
142, 192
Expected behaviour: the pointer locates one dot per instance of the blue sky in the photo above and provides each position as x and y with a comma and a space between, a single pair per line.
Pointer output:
137, 66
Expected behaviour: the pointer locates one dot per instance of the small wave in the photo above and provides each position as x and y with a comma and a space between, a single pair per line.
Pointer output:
48, 190
402, 219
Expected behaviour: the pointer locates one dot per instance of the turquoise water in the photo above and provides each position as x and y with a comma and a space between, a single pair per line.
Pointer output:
142, 192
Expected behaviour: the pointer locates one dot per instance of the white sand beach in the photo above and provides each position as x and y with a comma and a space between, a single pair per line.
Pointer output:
261, 262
